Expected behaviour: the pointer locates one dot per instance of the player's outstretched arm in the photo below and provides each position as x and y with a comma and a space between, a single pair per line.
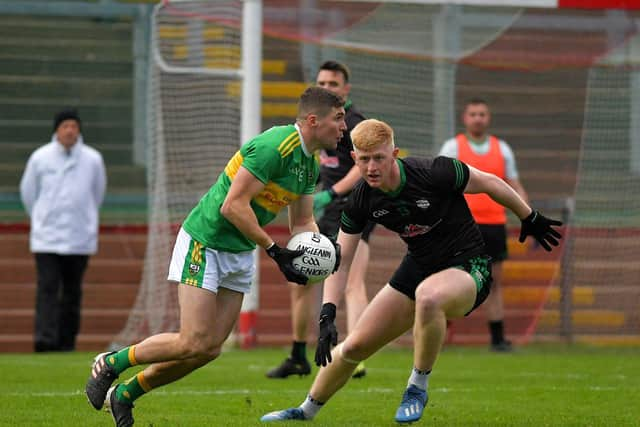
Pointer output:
334, 287
498, 190
533, 222
335, 284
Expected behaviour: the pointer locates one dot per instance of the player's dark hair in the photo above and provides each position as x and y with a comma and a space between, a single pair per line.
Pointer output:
337, 67
319, 101
475, 101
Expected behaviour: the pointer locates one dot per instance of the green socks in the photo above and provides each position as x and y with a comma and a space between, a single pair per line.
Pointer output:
132, 389
123, 359
135, 386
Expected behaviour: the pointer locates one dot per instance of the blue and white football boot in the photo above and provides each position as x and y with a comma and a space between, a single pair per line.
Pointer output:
413, 402
284, 415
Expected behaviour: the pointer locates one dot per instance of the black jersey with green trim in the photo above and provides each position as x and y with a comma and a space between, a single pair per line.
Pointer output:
428, 210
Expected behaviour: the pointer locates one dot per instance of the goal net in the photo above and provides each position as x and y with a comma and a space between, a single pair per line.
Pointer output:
563, 86
194, 128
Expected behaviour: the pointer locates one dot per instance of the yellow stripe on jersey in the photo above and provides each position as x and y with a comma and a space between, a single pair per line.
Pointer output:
273, 197
290, 149
287, 139
290, 139
233, 165
286, 149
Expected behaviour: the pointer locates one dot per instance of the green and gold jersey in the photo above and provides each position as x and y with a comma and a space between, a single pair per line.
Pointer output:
277, 158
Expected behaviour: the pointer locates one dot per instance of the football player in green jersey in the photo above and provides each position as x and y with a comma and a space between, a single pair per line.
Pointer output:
445, 273
213, 257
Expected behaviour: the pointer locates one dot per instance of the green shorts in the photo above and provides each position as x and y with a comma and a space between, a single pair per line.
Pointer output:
479, 268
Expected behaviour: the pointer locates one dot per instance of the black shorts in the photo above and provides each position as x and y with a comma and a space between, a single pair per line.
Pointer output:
495, 240
329, 222
410, 274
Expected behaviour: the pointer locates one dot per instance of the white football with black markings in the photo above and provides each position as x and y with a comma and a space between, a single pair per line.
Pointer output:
319, 258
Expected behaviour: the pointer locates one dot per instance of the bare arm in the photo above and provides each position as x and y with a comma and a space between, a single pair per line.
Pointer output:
517, 185
237, 207
334, 288
335, 284
532, 222
301, 215
498, 190
346, 184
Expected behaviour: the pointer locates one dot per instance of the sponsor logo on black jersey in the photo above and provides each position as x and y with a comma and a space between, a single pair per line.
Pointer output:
413, 230
379, 213
423, 203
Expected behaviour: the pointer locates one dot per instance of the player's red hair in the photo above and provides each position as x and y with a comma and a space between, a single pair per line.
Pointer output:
371, 133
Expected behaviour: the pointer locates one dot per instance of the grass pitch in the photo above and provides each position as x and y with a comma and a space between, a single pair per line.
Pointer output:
535, 386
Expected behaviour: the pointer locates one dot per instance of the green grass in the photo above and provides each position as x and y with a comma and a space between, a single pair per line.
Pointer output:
536, 386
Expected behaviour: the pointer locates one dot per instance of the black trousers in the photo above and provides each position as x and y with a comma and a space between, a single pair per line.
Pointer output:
58, 300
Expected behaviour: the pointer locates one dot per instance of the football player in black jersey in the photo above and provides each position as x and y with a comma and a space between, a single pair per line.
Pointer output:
338, 175
445, 273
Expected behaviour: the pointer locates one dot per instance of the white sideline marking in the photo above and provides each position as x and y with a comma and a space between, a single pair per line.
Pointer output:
261, 368
297, 392
568, 375
185, 392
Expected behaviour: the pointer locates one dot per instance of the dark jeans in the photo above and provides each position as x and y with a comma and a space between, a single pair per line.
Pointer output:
58, 300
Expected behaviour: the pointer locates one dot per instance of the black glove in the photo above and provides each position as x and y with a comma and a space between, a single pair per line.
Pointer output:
539, 227
328, 334
338, 249
283, 257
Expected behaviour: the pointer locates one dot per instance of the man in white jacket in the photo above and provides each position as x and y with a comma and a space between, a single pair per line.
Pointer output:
62, 189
